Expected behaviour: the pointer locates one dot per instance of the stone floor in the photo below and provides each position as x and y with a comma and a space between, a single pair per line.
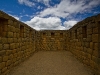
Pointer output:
51, 63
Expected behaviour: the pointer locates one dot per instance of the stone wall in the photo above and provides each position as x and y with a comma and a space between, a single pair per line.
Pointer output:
16, 42
83, 40
51, 40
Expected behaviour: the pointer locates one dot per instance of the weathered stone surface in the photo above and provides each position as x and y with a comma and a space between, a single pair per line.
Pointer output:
0, 59
8, 52
5, 58
2, 65
8, 62
95, 37
10, 40
10, 57
6, 46
4, 40
1, 47
10, 34
2, 52
12, 46
4, 69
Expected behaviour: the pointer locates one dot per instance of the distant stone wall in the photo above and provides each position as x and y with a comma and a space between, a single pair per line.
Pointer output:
83, 40
16, 42
51, 40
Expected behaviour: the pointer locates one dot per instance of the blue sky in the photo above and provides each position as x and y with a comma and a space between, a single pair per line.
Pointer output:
50, 14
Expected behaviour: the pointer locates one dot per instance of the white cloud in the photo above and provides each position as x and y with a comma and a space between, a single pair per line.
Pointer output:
65, 8
69, 24
32, 3
17, 18
26, 2
51, 23
46, 2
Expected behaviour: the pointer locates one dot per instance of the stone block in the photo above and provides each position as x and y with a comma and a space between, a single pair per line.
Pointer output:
85, 49
2, 65
6, 46
4, 40
91, 45
95, 37
12, 46
95, 53
89, 56
2, 52
15, 36
89, 26
13, 29
5, 58
8, 63
90, 51
95, 59
1, 47
4, 69
95, 25
15, 40
6, 72
10, 22
10, 57
16, 25
16, 63
4, 34
16, 45
10, 66
5, 27
10, 35
0, 59
96, 30
10, 40
89, 31
91, 63
8, 52
9, 28
96, 46
15, 55
89, 38
17, 30
87, 44
15, 50
14, 59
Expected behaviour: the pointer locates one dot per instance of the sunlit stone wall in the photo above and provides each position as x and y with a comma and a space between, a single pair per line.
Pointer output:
16, 42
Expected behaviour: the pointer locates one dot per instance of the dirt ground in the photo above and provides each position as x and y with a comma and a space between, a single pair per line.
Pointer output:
51, 63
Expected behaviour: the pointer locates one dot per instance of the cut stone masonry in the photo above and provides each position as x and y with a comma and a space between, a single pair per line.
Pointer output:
18, 41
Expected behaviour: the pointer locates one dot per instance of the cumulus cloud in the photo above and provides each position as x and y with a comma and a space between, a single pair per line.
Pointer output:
67, 7
69, 24
26, 2
51, 23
